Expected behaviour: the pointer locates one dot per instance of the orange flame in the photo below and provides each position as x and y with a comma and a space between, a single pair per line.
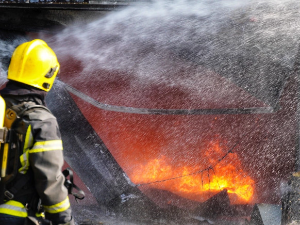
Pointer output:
223, 174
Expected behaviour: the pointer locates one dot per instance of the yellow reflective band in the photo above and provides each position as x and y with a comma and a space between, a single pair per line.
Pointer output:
44, 146
24, 159
13, 208
28, 139
59, 207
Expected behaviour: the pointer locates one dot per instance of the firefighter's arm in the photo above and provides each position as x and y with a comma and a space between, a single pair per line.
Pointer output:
46, 160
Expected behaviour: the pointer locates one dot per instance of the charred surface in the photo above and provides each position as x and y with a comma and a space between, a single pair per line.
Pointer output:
215, 206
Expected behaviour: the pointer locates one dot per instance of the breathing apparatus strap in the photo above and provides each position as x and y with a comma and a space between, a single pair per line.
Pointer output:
7, 149
70, 185
13, 192
28, 106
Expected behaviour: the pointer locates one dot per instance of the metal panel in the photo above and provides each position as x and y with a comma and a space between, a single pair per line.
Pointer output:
84, 150
266, 214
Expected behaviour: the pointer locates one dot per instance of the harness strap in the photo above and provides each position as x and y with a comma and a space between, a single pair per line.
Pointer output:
29, 106
11, 193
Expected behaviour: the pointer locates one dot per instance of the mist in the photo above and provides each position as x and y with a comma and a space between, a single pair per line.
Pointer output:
211, 54
177, 44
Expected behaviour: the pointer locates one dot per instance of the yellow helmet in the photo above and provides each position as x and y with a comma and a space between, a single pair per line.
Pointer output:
34, 63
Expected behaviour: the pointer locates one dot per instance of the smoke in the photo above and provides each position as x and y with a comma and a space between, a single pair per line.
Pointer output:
251, 43
6, 50
136, 39
8, 42
147, 42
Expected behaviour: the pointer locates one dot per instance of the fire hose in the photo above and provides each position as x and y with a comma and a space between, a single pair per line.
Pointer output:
124, 109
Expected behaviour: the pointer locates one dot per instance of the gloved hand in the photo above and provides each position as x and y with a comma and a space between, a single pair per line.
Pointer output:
37, 221
71, 222
40, 221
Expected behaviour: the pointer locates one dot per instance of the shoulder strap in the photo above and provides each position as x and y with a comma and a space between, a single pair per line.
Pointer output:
26, 106
14, 190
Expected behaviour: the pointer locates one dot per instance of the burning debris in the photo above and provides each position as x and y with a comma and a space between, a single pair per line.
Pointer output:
215, 210
223, 171
214, 207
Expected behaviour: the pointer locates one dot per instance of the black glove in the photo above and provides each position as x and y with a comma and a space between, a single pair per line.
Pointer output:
38, 221
71, 222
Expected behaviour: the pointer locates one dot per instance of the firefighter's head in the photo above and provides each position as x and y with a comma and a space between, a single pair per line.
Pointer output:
34, 63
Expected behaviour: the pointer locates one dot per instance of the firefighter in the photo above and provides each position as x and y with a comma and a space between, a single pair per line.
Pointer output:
36, 191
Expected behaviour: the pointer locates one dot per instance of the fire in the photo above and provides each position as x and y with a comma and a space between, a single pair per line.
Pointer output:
203, 183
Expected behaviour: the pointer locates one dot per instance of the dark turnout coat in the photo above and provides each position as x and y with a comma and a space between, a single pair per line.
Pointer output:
40, 157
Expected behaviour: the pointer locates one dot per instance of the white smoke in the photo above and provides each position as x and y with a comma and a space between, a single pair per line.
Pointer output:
155, 42
7, 46
139, 39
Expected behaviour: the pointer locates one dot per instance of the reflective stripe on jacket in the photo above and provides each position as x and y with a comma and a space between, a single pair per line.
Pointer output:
59, 207
13, 208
